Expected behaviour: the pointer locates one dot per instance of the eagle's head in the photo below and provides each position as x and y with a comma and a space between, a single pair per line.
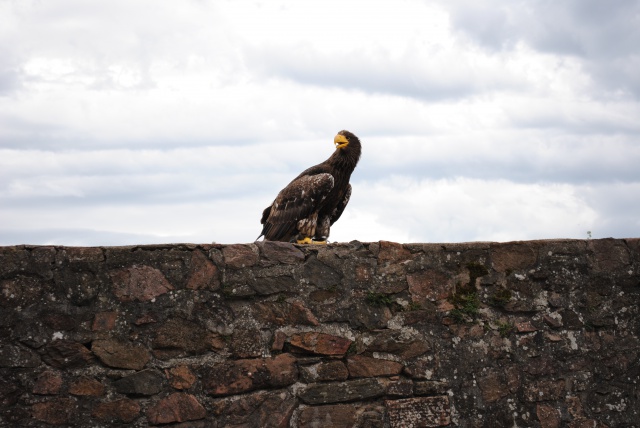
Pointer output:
344, 138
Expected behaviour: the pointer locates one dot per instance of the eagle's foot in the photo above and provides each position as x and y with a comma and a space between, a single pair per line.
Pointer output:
319, 242
306, 240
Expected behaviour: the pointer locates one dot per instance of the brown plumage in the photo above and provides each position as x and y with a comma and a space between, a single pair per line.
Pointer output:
305, 210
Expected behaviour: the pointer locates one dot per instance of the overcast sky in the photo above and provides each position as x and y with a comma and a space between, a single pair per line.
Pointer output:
137, 122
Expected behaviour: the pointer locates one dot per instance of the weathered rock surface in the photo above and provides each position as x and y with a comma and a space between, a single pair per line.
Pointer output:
536, 334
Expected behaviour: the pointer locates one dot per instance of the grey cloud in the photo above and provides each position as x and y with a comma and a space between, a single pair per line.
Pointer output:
604, 35
414, 75
10, 81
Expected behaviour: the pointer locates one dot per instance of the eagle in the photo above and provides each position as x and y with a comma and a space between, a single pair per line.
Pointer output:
304, 211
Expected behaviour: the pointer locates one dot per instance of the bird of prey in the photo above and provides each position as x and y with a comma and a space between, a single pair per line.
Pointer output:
304, 211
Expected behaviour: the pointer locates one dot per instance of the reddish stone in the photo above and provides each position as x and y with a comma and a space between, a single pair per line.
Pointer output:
123, 410
87, 386
259, 409
429, 285
361, 366
238, 256
122, 355
513, 256
104, 321
48, 383
548, 416
282, 252
140, 283
392, 252
321, 343
180, 377
235, 377
493, 387
525, 327
445, 306
325, 371
419, 412
55, 412
279, 337
285, 313
331, 371
203, 274
335, 416
363, 273
574, 407
178, 407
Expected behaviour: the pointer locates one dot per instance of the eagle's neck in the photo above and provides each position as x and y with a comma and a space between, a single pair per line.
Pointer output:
346, 159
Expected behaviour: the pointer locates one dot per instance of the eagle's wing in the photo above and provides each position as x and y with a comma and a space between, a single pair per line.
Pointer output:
335, 215
298, 200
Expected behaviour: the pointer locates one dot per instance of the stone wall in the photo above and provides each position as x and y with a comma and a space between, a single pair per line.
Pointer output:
528, 334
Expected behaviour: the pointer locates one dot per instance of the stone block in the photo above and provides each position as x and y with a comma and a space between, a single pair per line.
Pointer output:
67, 354
48, 383
123, 410
281, 252
141, 283
58, 411
392, 252
240, 376
429, 285
324, 371
203, 273
121, 354
320, 343
258, 409
513, 256
361, 366
419, 412
180, 377
548, 416
341, 392
493, 387
86, 386
239, 256
183, 336
146, 382
177, 407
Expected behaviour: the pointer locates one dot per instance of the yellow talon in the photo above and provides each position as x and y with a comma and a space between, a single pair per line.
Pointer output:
306, 240
319, 242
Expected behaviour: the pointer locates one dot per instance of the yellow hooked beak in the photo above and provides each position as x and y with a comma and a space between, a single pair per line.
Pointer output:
340, 141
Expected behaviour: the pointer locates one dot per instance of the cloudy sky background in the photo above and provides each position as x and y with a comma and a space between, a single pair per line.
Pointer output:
136, 122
